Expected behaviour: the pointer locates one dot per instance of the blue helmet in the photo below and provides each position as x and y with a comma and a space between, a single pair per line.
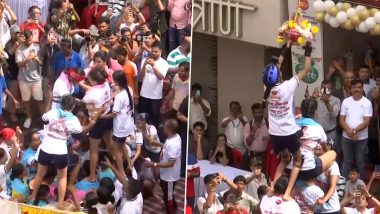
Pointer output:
271, 75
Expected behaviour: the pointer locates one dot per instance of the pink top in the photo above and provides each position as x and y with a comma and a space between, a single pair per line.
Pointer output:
115, 65
108, 70
261, 136
179, 17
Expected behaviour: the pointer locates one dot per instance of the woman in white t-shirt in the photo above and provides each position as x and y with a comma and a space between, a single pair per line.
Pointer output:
97, 98
122, 114
60, 124
327, 181
310, 135
65, 84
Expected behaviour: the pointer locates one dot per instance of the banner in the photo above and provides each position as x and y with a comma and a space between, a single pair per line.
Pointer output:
315, 77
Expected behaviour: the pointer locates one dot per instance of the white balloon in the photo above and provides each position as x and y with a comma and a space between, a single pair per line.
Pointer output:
318, 6
377, 16
351, 12
370, 22
328, 4
327, 18
358, 29
363, 27
359, 8
339, 5
341, 16
334, 22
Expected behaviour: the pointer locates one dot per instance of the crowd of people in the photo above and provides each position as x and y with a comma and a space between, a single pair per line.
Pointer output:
322, 159
104, 92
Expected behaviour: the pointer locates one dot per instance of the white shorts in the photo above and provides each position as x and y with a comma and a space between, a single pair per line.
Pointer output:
29, 89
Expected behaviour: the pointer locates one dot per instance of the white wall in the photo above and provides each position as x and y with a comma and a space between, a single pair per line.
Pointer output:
259, 26
239, 78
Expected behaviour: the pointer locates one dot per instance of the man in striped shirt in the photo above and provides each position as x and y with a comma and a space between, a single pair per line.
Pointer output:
180, 54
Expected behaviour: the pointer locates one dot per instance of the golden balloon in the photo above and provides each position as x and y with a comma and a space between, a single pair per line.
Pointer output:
364, 14
333, 10
355, 20
376, 29
320, 17
373, 11
346, 6
348, 25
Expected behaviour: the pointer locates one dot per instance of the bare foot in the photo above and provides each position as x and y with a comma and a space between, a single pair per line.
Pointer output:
62, 206
287, 198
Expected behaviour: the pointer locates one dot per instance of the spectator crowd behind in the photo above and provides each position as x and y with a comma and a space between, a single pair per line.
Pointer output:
95, 100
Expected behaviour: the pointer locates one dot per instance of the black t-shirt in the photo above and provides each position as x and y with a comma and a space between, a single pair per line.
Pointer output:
11, 72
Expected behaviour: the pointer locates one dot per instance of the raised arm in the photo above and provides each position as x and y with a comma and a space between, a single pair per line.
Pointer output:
307, 59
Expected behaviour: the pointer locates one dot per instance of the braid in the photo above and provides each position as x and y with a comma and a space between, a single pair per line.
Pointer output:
130, 97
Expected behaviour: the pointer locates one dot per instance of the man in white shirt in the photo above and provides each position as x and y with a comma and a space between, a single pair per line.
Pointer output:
212, 202
199, 107
170, 163
362, 198
154, 69
180, 90
355, 115
234, 130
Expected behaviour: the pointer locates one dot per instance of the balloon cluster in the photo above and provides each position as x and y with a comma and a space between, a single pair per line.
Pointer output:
297, 30
348, 17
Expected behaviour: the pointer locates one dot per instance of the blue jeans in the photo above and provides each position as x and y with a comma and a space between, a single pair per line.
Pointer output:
354, 152
175, 37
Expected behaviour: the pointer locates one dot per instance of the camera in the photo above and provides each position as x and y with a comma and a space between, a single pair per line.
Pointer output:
150, 55
140, 38
124, 39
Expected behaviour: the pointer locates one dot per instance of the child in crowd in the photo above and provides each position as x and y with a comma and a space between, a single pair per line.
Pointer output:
86, 184
352, 185
257, 178
32, 142
20, 190
90, 200
42, 196
306, 195
5, 165
282, 125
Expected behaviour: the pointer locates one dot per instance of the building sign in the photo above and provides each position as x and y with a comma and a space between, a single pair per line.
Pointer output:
370, 3
315, 77
222, 16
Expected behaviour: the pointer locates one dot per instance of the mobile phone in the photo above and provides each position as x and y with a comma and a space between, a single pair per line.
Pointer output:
198, 93
32, 51
377, 168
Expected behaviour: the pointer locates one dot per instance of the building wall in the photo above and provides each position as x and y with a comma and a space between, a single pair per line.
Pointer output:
240, 79
259, 26
237, 80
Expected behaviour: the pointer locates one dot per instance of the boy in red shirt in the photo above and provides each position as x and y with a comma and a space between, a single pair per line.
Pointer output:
231, 205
